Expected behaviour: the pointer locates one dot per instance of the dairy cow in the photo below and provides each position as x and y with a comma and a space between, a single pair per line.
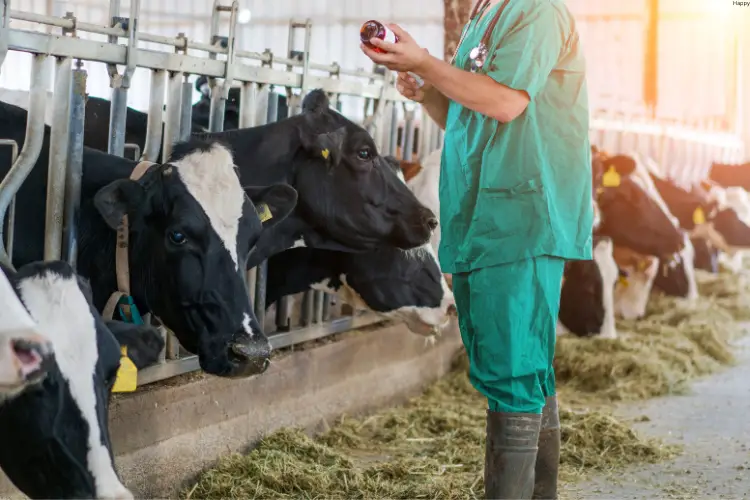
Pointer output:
406, 285
587, 294
190, 228
55, 432
349, 197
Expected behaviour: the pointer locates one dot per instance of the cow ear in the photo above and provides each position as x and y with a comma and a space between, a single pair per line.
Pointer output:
272, 203
328, 146
315, 102
625, 165
116, 199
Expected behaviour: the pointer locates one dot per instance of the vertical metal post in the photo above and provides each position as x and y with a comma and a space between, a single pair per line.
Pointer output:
393, 146
154, 125
261, 272
282, 306
75, 165
174, 113
186, 115
408, 132
4, 26
12, 212
248, 100
32, 144
58, 158
121, 83
220, 92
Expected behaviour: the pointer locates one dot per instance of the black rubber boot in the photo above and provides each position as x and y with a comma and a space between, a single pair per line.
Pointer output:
510, 455
548, 456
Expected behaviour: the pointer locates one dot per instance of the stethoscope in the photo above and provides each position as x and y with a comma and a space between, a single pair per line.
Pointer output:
478, 54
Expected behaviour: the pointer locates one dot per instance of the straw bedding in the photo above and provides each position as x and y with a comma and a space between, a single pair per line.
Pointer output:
433, 446
676, 341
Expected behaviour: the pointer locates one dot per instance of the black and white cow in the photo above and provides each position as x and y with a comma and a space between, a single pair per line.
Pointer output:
406, 285
191, 227
55, 433
23, 349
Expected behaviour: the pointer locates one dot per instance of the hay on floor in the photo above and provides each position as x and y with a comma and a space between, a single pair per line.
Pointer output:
676, 342
432, 447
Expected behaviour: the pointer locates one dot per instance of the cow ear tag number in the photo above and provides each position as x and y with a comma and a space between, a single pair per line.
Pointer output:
127, 374
611, 178
264, 213
325, 154
699, 217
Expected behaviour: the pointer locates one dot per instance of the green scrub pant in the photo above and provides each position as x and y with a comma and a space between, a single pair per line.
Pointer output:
508, 317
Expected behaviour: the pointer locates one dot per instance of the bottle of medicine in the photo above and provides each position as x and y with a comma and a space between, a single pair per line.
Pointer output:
375, 29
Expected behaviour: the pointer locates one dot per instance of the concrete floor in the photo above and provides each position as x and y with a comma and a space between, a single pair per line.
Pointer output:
712, 422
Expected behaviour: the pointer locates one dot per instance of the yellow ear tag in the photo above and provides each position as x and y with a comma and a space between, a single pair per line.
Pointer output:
611, 178
699, 217
325, 153
623, 280
264, 213
127, 374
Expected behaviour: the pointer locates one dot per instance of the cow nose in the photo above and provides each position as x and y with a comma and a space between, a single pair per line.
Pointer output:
250, 355
428, 218
30, 356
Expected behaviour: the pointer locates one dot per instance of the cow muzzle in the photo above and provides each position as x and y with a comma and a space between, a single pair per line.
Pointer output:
248, 355
27, 359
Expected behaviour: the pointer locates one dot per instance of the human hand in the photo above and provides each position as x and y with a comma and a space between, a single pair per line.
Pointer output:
408, 87
406, 55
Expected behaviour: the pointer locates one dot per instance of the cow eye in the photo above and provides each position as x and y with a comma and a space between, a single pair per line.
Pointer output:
177, 238
364, 154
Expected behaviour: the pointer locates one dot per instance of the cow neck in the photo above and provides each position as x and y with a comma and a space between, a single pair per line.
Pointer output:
122, 296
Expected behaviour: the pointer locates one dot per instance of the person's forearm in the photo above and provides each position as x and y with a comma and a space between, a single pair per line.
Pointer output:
476, 92
436, 105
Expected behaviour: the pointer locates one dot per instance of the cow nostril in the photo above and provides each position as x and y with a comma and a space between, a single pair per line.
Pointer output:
30, 355
452, 311
432, 223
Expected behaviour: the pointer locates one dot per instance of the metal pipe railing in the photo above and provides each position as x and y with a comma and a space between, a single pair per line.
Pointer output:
174, 113
155, 116
58, 160
74, 171
32, 145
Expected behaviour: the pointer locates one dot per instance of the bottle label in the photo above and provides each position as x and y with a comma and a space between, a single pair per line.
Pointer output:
390, 36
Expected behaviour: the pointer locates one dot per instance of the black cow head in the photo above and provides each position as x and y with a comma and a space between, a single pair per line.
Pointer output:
706, 256
581, 298
191, 229
348, 190
55, 434
201, 109
676, 276
630, 215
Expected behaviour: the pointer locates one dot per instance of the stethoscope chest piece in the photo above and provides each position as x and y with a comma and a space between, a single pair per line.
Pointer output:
478, 55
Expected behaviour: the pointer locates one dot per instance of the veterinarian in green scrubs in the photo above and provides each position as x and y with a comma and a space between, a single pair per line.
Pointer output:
515, 204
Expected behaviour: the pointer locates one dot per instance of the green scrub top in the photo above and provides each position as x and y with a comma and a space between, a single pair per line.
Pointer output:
518, 190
